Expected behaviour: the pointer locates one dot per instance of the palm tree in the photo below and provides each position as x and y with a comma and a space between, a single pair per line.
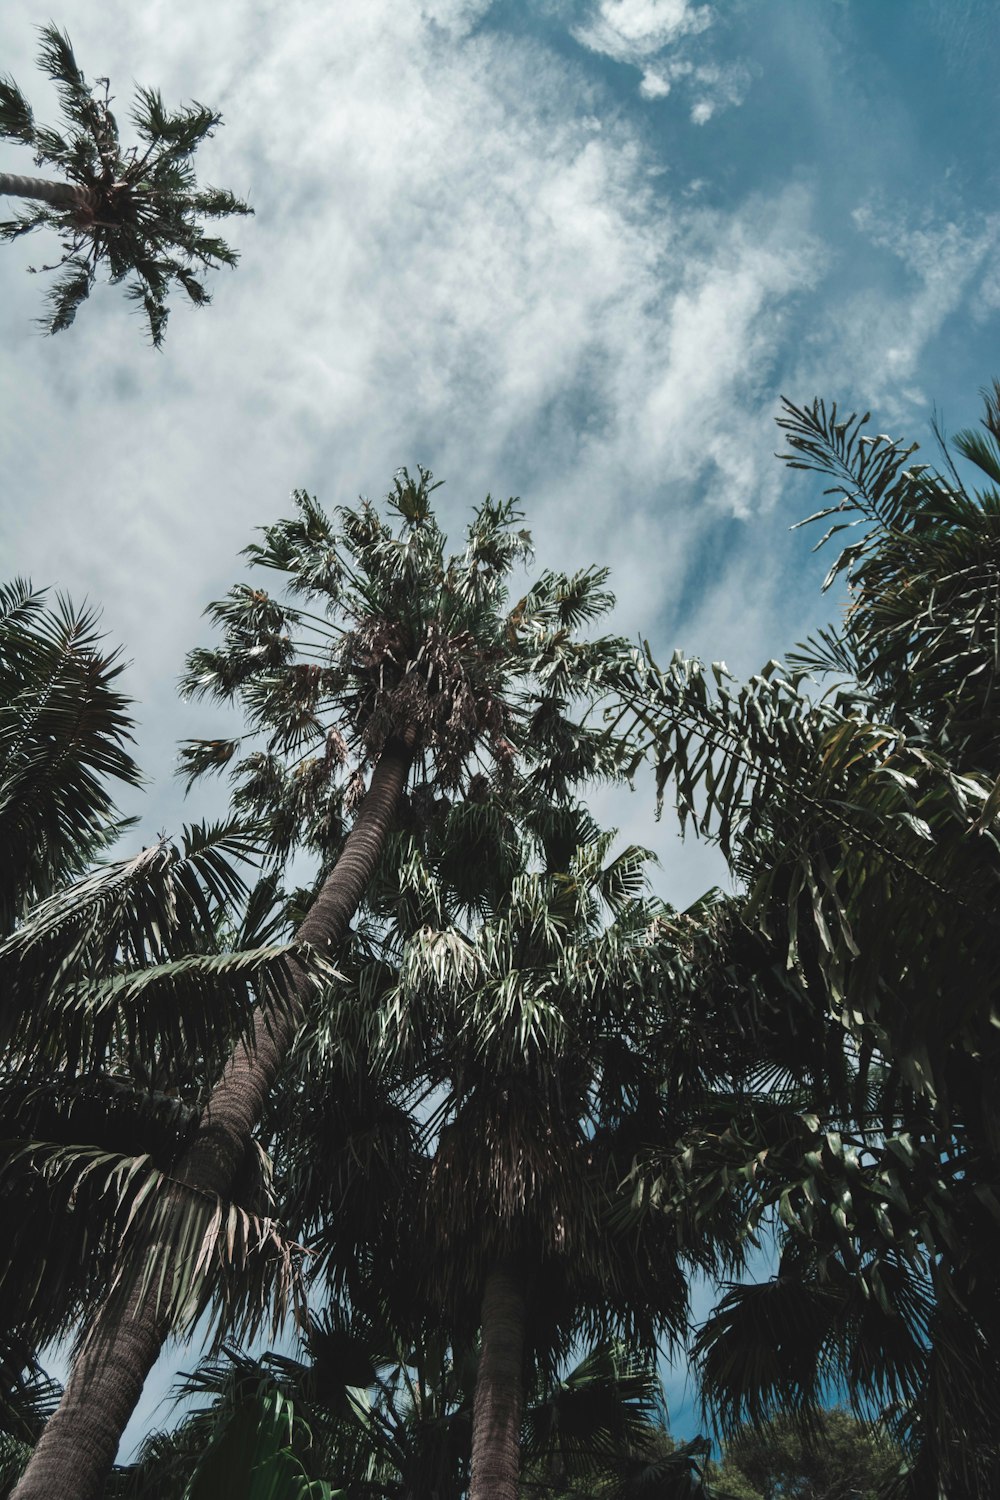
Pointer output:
538, 1102
551, 1040
864, 826
114, 1003
137, 211
414, 656
107, 992
875, 798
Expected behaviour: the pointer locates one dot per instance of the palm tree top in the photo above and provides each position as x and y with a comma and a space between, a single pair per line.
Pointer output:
137, 211
381, 632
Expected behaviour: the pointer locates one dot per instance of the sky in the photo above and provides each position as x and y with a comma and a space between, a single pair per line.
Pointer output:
570, 250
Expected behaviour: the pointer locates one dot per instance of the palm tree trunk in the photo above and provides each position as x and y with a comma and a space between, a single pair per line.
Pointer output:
57, 194
499, 1399
79, 1443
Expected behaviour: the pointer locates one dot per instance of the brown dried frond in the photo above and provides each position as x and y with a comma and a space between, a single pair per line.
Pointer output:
442, 687
354, 791
336, 752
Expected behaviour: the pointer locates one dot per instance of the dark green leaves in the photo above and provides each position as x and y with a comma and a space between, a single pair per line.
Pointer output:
64, 733
17, 123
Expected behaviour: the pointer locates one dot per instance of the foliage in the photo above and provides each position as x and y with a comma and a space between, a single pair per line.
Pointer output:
64, 733
399, 639
27, 1399
426, 662
864, 824
252, 1457
116, 1004
140, 210
368, 1417
837, 1458
480, 1087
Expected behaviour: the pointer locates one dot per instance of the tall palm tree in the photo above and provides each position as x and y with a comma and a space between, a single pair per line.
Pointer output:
136, 211
106, 992
113, 999
412, 655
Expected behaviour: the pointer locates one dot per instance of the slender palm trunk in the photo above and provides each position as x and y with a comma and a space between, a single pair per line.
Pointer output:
57, 194
499, 1399
79, 1443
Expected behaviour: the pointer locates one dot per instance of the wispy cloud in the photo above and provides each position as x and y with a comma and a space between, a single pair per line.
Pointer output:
934, 265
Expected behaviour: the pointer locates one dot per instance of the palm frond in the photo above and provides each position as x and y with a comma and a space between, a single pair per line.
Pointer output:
64, 734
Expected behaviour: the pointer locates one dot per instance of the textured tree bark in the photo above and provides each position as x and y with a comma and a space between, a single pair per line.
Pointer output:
57, 194
79, 1443
499, 1399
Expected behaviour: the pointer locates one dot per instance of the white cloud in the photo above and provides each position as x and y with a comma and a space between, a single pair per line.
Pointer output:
654, 85
457, 17
884, 330
447, 265
649, 35
631, 29
717, 88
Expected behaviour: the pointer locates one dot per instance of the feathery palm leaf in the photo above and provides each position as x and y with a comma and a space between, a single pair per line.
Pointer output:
865, 828
64, 734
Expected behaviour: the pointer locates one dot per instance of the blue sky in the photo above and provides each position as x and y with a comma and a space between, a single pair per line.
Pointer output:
571, 251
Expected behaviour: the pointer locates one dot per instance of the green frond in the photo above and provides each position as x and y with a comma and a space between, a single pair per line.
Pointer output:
67, 294
183, 131
57, 59
17, 123
195, 1254
28, 1396
608, 1406
983, 447
64, 736
626, 879
89, 948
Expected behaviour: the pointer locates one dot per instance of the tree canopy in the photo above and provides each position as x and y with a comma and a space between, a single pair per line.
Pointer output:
863, 823
509, 1099
837, 1458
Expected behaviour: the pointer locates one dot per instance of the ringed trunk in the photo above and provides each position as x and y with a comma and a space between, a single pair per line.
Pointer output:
499, 1398
57, 194
80, 1441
